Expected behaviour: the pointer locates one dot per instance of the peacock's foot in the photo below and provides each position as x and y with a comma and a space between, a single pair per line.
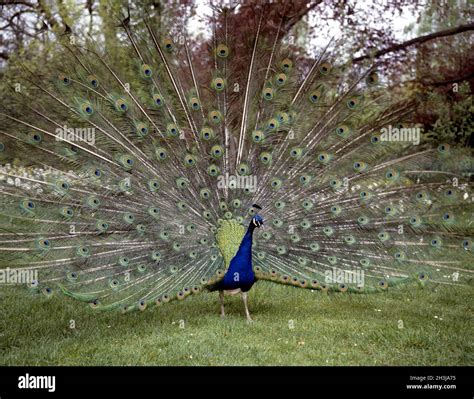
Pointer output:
249, 320
222, 315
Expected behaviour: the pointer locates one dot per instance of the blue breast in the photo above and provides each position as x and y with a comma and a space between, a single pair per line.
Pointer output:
240, 273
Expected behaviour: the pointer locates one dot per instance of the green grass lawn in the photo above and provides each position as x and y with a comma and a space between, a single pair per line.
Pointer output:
291, 327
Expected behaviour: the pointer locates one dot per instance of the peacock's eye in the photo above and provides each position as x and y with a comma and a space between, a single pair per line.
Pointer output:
212, 170
268, 93
161, 154
217, 151
257, 136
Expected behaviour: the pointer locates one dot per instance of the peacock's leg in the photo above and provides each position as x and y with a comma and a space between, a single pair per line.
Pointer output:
221, 297
244, 297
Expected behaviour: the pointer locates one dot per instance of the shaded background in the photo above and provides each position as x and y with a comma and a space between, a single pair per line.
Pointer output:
423, 47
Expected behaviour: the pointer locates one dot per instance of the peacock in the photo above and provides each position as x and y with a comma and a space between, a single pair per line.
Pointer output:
173, 167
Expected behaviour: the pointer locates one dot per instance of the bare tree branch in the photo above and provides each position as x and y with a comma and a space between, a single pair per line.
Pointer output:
438, 83
20, 2
296, 18
16, 15
417, 41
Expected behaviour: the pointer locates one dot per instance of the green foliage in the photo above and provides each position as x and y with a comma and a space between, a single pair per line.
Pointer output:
454, 120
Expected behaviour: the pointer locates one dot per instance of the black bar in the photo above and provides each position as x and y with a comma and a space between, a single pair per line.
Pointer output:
303, 381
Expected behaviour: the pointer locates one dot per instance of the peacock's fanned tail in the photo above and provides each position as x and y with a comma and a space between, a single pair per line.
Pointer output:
145, 166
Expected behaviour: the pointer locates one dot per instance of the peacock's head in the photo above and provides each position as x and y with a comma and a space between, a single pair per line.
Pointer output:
257, 220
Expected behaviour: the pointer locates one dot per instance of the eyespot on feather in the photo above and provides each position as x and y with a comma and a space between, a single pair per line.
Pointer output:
222, 51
